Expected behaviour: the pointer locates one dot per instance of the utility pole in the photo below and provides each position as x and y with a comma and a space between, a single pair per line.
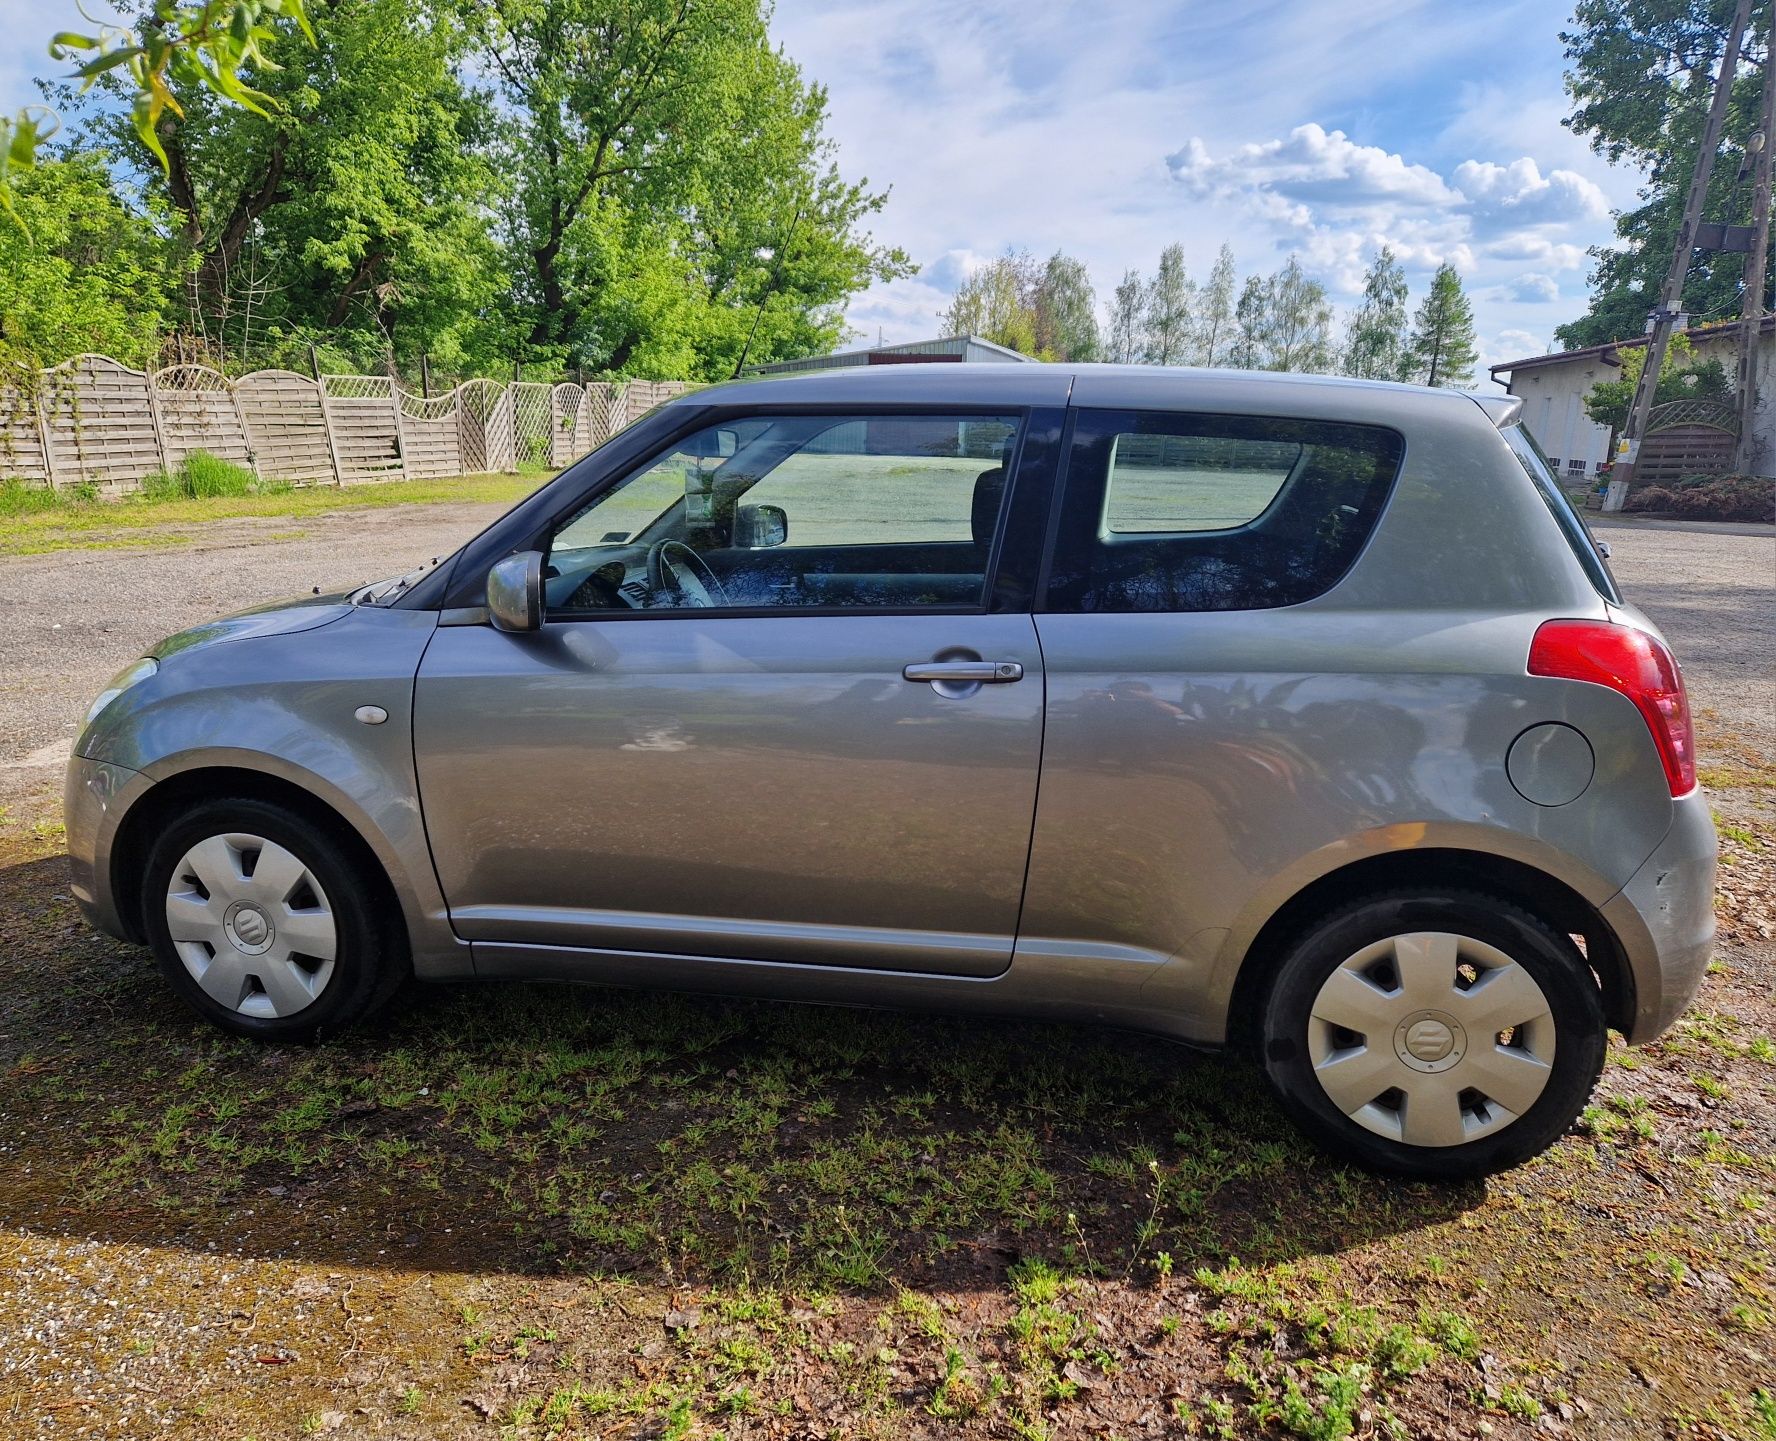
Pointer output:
1671, 293
1751, 311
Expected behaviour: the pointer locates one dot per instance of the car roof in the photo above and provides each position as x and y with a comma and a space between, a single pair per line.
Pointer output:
1134, 387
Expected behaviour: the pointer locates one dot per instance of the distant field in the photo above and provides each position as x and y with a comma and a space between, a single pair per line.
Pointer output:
882, 499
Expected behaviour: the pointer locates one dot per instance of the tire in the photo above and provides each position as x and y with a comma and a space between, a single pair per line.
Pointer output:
1358, 1028
240, 898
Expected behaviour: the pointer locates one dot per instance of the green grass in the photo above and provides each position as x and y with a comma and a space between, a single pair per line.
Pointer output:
203, 476
35, 521
899, 1223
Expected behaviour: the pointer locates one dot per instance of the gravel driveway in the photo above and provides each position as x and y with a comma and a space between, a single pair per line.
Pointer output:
70, 619
1714, 596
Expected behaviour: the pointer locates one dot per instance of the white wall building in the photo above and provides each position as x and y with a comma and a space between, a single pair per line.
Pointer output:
1554, 387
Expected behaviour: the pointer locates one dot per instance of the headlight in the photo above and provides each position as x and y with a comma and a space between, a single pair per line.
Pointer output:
119, 683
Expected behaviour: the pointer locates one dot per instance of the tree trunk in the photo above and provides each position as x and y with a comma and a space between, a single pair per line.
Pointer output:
359, 279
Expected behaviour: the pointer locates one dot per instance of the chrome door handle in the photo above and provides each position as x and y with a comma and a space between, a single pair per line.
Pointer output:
965, 672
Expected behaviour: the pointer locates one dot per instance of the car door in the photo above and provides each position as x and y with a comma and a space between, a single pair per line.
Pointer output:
770, 713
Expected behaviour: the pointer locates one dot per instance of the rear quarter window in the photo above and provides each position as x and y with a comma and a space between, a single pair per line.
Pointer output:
1172, 512
1572, 525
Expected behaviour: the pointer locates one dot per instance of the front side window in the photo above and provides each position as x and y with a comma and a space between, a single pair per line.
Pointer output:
1170, 512
887, 512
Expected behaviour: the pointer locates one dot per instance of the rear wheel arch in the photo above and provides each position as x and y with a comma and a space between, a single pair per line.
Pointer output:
1523, 885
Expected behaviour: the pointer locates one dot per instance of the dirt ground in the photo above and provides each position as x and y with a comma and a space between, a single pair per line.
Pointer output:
529, 1211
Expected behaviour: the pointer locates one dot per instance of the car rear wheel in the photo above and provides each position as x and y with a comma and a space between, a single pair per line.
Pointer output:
1434, 1034
264, 922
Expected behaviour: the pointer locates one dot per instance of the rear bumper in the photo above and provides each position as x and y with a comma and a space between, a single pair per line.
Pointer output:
95, 794
1664, 919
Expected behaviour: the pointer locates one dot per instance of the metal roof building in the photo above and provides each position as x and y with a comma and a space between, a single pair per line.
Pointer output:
970, 348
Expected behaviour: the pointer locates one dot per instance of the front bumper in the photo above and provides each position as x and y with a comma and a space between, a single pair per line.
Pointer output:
95, 795
1664, 919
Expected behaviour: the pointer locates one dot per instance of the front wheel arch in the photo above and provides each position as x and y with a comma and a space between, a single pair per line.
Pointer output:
168, 799
1535, 891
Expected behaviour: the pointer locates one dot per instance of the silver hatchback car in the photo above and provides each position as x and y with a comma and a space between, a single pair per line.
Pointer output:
1290, 713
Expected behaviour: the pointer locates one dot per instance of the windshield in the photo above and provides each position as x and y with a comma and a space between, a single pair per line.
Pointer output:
1572, 525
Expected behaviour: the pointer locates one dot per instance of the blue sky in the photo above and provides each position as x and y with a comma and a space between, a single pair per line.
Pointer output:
1110, 128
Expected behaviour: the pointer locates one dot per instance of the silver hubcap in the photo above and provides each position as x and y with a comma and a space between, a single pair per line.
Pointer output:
252, 925
1432, 1039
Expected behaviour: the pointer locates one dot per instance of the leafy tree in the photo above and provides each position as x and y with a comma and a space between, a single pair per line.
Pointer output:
1375, 346
1298, 323
1251, 321
1641, 77
1126, 310
1682, 377
997, 303
1166, 319
350, 209
679, 116
1040, 308
1214, 310
1066, 310
199, 44
1441, 350
94, 275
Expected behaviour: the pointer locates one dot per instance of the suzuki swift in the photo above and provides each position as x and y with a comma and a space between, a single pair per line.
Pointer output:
1294, 714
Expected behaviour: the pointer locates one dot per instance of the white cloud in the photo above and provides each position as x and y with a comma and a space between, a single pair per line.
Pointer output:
1312, 166
1522, 339
1518, 194
1537, 249
1344, 198
1533, 286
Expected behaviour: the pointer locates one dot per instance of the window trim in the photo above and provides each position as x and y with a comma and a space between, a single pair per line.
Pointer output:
715, 417
1065, 478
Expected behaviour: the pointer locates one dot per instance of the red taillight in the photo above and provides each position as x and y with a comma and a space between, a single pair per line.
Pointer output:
1632, 662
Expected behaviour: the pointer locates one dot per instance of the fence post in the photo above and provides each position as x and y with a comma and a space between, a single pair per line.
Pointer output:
160, 447
327, 426
400, 426
240, 419
37, 414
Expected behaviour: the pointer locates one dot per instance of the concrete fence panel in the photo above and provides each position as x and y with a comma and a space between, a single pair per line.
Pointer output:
486, 410
567, 409
23, 456
198, 412
99, 424
532, 422
286, 427
364, 423
431, 428
93, 421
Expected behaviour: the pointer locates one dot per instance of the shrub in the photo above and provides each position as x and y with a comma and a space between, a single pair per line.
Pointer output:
202, 477
1651, 497
1732, 497
17, 498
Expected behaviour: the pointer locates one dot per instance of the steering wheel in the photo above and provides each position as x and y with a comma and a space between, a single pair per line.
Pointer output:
673, 568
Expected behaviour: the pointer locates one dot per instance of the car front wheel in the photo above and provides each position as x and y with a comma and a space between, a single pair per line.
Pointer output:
1434, 1034
264, 922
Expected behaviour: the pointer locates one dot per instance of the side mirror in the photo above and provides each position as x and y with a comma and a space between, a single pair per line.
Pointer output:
759, 527
515, 592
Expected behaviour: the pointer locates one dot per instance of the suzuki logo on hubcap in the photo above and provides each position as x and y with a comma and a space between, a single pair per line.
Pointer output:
248, 927
1430, 1040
